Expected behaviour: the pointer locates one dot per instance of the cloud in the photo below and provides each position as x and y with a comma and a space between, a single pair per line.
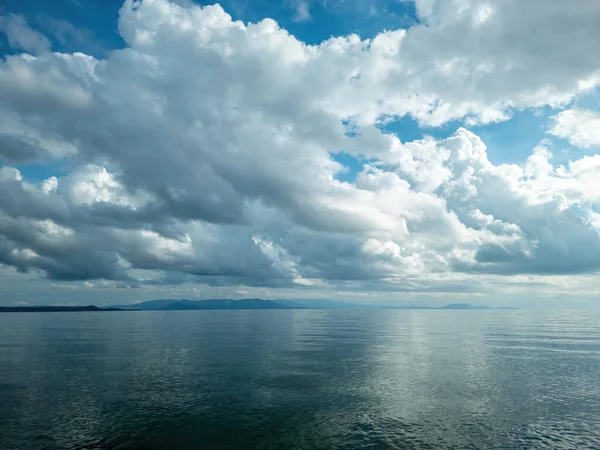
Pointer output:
202, 152
302, 13
580, 127
20, 36
480, 218
68, 35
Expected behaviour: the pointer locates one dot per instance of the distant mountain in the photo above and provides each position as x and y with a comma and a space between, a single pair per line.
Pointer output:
334, 304
246, 303
315, 303
151, 305
215, 304
258, 303
55, 308
469, 306
463, 306
413, 307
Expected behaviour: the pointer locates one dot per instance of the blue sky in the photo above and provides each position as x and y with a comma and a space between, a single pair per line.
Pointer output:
379, 151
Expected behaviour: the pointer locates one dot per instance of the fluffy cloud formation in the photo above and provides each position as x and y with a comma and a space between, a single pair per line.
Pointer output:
202, 152
580, 127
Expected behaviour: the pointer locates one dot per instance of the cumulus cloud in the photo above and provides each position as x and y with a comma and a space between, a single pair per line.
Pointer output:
580, 127
202, 152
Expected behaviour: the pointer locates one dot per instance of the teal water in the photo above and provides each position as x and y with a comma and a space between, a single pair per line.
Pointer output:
300, 379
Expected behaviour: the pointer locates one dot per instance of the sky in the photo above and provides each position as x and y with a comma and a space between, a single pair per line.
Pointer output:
392, 151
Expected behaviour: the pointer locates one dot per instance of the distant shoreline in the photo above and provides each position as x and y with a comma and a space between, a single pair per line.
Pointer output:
243, 304
90, 308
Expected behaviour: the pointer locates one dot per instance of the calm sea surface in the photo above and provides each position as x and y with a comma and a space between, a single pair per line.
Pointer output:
300, 380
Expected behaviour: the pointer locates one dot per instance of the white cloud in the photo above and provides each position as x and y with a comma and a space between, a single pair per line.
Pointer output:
49, 185
52, 229
10, 173
580, 127
91, 184
202, 153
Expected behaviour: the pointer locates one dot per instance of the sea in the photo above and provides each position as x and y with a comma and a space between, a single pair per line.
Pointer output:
300, 379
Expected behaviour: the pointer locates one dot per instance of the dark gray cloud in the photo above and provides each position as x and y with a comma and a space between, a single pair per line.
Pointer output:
18, 149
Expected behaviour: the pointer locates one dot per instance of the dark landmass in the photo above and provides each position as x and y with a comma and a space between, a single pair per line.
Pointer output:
55, 308
151, 305
312, 303
412, 307
246, 303
333, 304
243, 304
216, 304
469, 306
257, 303
464, 306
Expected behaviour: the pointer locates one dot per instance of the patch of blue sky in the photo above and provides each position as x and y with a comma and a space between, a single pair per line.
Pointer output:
322, 19
35, 173
352, 166
513, 141
590, 101
96, 31
508, 142
406, 128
